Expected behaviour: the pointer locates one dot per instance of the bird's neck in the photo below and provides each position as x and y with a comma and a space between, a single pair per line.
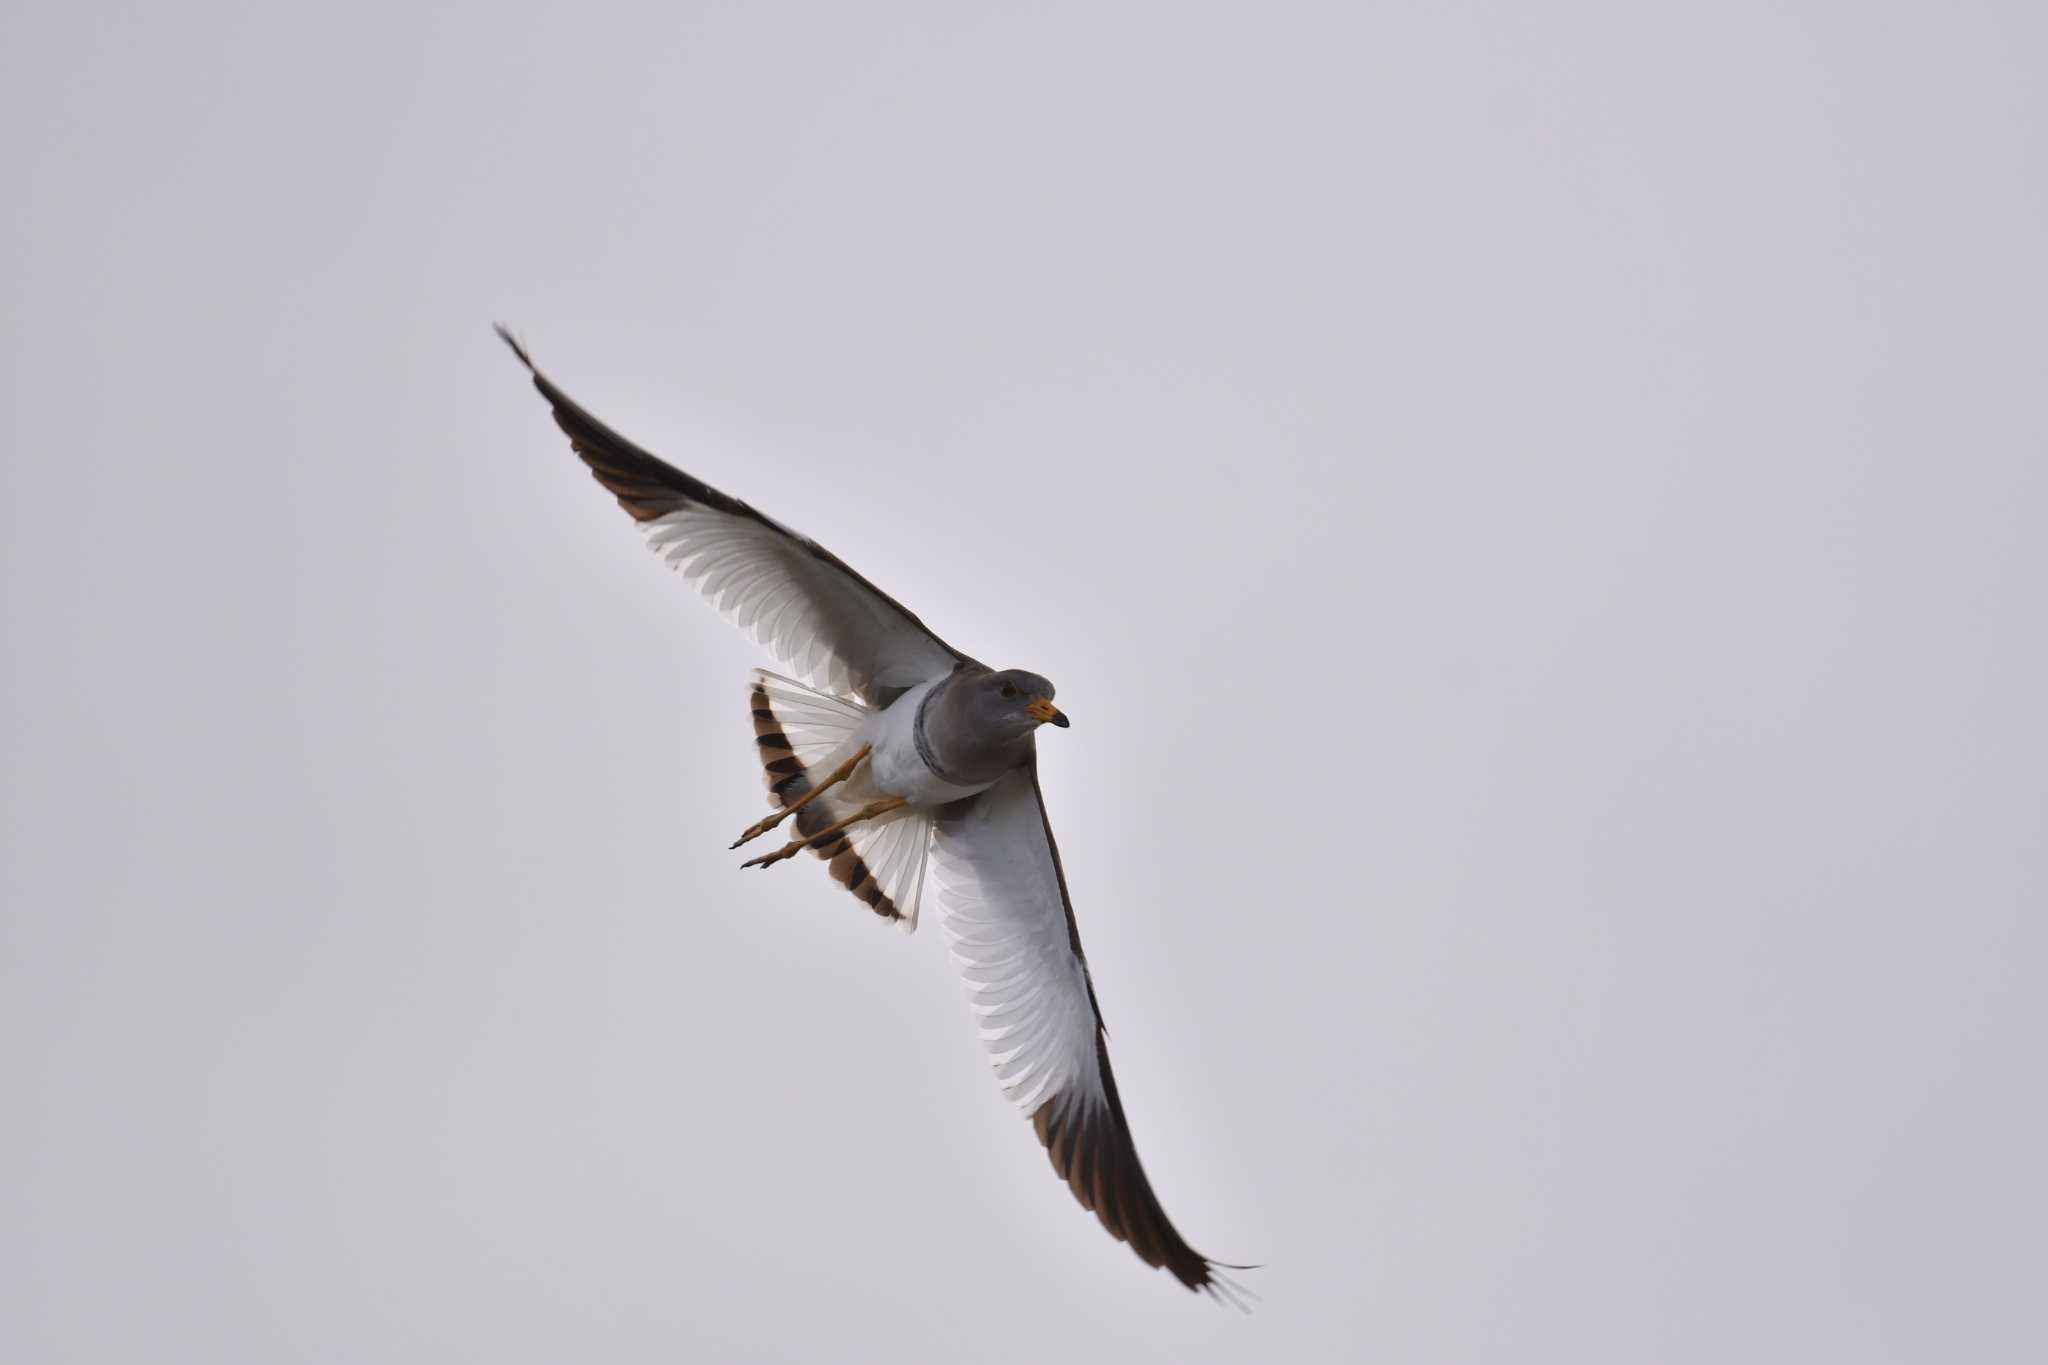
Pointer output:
952, 747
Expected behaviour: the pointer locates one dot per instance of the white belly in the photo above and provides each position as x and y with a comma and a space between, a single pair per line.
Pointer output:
895, 766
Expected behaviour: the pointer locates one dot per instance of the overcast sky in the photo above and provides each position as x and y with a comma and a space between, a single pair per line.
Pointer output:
1536, 512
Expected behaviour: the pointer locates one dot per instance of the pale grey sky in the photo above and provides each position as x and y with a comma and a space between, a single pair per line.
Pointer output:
1536, 513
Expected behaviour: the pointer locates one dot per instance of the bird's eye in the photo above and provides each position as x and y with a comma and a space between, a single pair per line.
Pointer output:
1009, 692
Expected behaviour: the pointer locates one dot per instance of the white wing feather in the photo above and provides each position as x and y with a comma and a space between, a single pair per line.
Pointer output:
830, 629
1006, 920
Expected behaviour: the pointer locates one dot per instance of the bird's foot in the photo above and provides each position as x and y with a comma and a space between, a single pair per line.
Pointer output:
762, 826
766, 823
796, 846
788, 850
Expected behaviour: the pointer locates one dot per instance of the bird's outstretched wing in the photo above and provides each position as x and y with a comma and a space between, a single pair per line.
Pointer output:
822, 621
996, 872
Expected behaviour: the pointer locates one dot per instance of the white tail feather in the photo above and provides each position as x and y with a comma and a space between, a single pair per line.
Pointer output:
823, 731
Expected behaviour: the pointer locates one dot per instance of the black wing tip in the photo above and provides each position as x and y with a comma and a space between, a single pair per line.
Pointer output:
1225, 1290
505, 335
1208, 1278
1089, 1146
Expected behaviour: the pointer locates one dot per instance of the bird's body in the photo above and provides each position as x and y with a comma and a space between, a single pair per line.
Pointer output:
920, 772
908, 766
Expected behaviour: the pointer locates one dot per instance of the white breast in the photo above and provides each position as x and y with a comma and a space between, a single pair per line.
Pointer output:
897, 768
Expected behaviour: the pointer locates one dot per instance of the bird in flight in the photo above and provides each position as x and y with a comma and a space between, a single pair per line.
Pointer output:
906, 765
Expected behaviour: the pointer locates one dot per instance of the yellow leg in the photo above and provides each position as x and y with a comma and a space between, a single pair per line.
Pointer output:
839, 774
796, 846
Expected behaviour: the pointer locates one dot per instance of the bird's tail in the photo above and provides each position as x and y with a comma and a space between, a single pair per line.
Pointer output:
801, 735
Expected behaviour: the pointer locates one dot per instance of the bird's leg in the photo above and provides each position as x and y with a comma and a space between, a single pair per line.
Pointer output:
839, 774
796, 846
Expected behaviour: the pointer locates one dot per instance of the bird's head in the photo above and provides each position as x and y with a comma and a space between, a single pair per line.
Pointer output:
1011, 702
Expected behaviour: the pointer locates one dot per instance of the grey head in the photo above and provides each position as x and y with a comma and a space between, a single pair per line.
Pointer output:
979, 725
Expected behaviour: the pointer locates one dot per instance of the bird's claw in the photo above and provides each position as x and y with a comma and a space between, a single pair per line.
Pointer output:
789, 850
